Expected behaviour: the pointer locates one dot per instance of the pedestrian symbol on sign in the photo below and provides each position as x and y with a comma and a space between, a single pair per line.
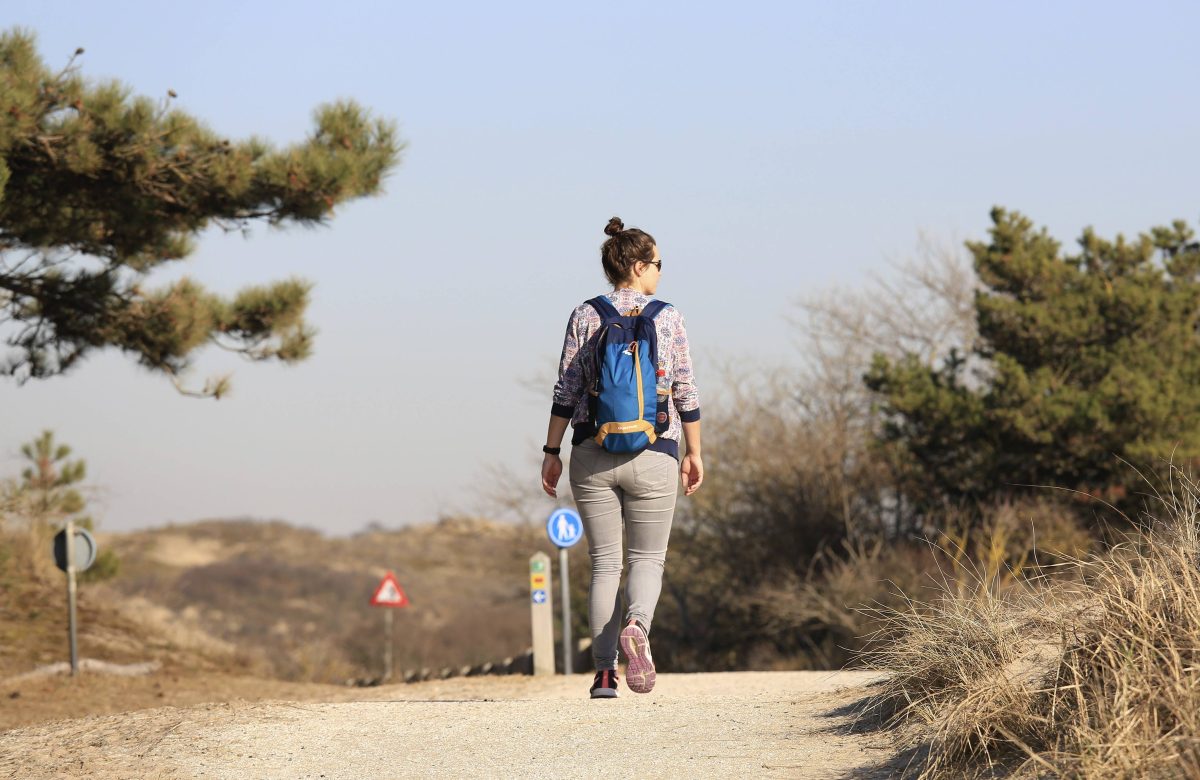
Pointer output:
564, 527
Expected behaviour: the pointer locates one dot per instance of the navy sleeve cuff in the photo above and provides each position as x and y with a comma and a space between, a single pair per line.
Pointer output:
562, 410
692, 415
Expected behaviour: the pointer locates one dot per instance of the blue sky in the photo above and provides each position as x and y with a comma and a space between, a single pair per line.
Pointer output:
774, 150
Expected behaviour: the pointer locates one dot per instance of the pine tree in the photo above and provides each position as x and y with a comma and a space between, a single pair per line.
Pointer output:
46, 496
98, 187
48, 481
1084, 361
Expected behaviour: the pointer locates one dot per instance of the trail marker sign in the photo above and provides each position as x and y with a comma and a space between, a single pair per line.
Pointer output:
541, 614
389, 593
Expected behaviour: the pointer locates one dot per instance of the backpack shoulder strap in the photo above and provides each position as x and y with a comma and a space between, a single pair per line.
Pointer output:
653, 308
603, 307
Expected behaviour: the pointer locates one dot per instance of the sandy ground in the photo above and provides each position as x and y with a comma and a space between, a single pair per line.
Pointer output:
748, 724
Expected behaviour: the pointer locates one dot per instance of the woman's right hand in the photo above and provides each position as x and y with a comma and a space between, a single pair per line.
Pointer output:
551, 471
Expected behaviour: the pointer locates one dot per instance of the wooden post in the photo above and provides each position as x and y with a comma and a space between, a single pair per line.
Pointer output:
541, 610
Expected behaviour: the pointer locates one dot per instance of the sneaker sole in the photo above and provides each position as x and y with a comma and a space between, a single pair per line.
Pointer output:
639, 670
604, 693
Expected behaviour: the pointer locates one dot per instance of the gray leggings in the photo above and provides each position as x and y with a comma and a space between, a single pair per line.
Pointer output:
637, 493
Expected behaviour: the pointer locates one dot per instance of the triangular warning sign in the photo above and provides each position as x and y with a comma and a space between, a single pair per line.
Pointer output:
389, 593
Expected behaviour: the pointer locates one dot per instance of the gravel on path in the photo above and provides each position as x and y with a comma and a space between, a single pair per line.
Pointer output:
736, 724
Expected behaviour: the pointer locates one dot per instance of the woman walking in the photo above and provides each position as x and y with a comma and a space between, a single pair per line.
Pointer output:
623, 464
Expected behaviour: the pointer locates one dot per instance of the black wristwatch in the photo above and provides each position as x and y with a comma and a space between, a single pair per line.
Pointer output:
551, 450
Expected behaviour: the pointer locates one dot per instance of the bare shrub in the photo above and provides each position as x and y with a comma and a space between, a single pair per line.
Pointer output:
924, 307
830, 610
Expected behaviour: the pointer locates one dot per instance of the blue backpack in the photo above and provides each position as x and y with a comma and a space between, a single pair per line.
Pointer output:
624, 408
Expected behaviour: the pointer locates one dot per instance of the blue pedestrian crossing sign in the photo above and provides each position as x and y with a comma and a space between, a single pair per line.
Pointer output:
564, 527
539, 596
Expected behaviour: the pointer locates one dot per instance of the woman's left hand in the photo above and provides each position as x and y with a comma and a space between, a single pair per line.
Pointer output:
551, 471
691, 471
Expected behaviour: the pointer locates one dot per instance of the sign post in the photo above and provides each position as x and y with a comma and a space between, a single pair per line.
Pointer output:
388, 594
541, 613
387, 648
565, 528
74, 551
71, 631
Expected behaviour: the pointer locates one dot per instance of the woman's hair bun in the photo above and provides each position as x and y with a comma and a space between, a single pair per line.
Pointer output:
614, 226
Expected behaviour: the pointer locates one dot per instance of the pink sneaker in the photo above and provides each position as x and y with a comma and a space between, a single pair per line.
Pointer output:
639, 671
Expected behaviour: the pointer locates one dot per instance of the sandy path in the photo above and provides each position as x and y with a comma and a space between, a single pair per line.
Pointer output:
772, 724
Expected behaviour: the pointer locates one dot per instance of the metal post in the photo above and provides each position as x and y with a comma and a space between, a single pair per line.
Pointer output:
71, 597
387, 650
566, 610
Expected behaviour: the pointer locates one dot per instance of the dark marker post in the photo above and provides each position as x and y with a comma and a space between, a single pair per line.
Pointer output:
74, 551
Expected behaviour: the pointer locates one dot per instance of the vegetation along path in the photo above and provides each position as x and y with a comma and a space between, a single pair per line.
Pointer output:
746, 724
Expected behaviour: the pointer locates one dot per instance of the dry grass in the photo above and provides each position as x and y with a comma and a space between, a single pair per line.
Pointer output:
1093, 672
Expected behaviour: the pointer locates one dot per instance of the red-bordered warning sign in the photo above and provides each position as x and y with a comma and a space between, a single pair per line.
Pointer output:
389, 593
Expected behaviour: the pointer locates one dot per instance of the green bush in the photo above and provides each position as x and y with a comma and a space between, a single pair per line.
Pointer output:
107, 566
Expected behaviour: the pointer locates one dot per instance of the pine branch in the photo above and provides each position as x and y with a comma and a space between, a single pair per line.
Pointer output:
90, 173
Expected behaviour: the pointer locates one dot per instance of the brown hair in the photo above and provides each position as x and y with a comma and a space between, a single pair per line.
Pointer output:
623, 250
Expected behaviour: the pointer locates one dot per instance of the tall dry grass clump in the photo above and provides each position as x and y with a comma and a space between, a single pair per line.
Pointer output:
1093, 672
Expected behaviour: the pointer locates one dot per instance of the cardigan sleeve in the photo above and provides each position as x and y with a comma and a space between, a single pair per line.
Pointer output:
683, 380
570, 385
